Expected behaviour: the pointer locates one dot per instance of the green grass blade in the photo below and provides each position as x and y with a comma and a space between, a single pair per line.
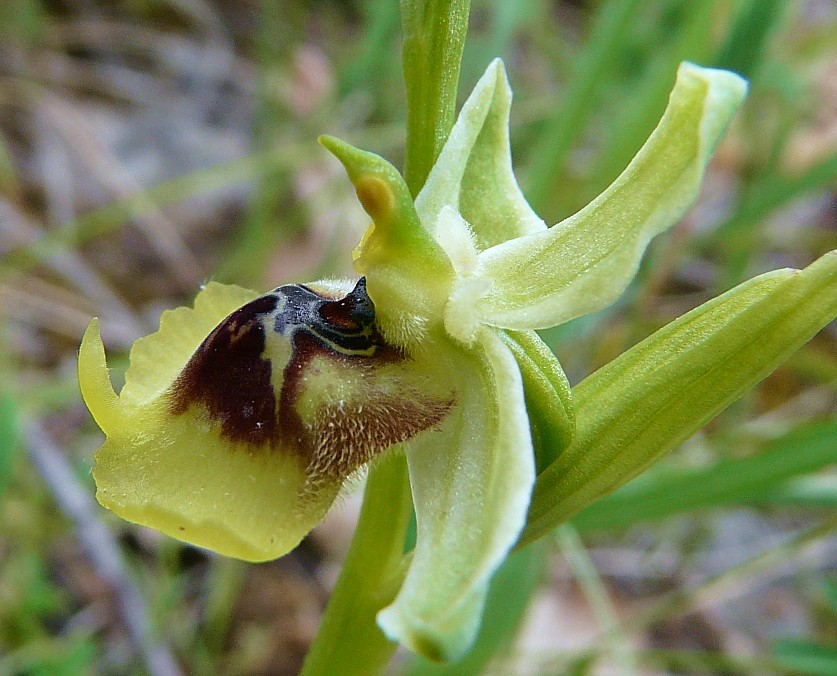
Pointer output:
805, 657
765, 197
373, 56
812, 491
736, 235
746, 43
733, 481
8, 437
505, 21
109, 217
593, 67
773, 193
643, 108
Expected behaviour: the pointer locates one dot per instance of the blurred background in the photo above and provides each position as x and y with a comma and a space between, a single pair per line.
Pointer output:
147, 146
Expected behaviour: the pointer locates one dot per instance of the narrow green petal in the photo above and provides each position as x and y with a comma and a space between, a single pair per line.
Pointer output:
548, 396
408, 275
471, 483
584, 263
474, 174
644, 403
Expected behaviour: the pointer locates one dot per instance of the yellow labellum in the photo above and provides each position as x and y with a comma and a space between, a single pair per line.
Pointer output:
241, 418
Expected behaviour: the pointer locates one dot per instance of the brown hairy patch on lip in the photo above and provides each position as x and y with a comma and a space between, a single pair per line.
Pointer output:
349, 436
292, 428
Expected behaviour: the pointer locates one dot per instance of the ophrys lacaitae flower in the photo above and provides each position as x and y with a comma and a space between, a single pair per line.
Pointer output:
242, 418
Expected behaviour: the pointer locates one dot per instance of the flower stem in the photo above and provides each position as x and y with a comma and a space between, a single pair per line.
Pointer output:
349, 640
434, 37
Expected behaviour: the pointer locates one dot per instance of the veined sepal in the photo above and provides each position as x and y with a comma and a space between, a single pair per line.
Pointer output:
471, 483
584, 263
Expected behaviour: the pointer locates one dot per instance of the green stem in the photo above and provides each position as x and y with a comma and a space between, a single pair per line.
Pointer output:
349, 640
434, 37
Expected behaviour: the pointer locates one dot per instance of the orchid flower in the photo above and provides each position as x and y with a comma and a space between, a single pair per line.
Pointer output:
242, 418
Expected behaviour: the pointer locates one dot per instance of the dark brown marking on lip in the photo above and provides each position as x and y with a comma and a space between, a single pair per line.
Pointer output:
230, 378
291, 427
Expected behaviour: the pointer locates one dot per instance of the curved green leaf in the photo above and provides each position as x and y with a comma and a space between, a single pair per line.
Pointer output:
644, 403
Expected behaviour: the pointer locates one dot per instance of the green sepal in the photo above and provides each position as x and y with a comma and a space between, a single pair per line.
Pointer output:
640, 406
585, 262
471, 480
474, 172
548, 396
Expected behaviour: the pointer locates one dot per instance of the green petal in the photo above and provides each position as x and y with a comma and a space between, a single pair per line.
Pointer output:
408, 275
474, 174
548, 395
583, 263
651, 398
471, 483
